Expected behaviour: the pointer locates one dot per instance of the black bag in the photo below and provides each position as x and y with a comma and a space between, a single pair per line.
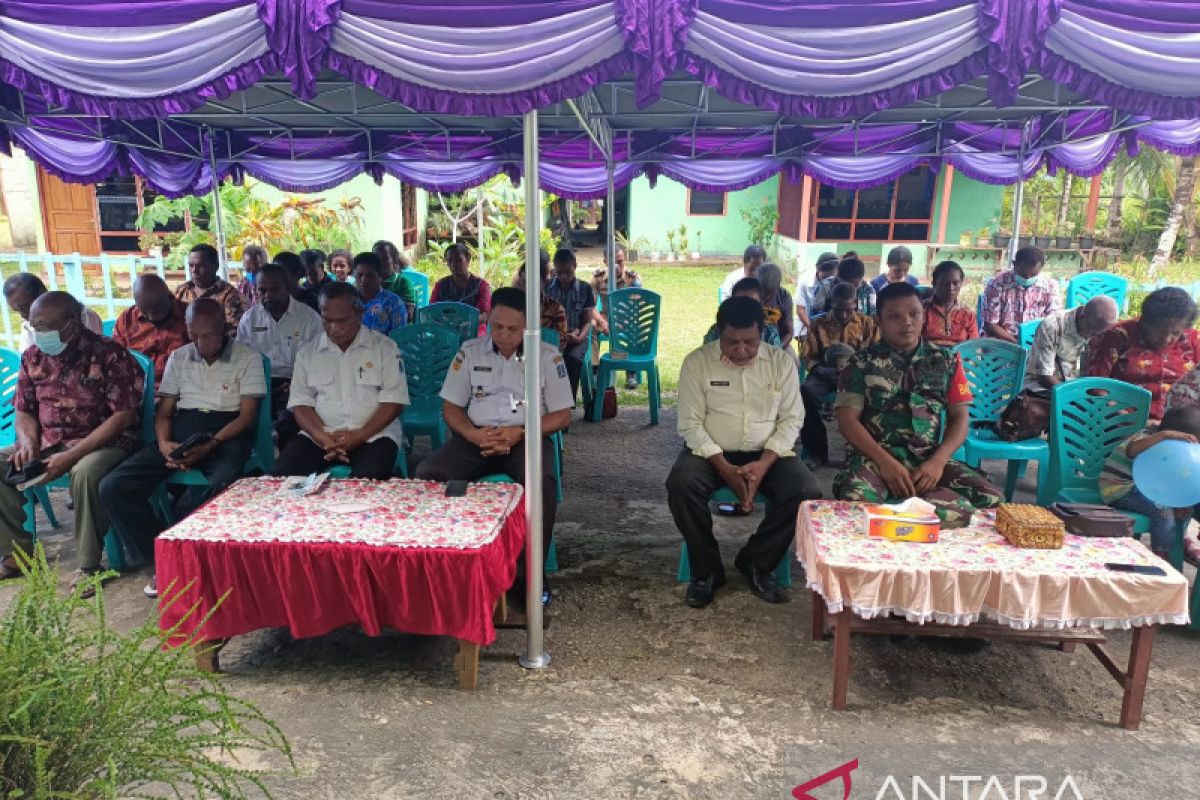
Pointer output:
1088, 519
1027, 417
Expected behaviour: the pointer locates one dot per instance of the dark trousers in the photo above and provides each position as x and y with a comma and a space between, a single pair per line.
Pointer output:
125, 492
458, 459
374, 460
573, 359
284, 423
820, 382
692, 482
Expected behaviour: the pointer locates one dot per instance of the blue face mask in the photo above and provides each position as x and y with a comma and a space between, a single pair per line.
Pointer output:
49, 342
1024, 283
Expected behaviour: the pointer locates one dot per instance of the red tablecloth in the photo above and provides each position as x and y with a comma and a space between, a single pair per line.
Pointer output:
395, 554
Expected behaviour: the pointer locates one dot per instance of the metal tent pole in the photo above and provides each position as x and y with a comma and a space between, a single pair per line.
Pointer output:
610, 234
1018, 194
535, 656
222, 268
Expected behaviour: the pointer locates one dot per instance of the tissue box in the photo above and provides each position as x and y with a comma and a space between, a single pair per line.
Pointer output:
914, 520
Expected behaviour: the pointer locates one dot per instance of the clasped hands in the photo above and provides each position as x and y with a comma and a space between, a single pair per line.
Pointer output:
904, 482
338, 445
497, 440
744, 480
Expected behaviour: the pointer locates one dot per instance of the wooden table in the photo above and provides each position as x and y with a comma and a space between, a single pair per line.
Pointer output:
383, 555
876, 587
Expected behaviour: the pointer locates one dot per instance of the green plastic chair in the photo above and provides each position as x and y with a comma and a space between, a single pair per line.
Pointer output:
1175, 557
633, 320
1028, 330
458, 317
400, 468
1086, 285
995, 371
783, 572
108, 326
10, 367
1089, 417
428, 349
420, 283
551, 564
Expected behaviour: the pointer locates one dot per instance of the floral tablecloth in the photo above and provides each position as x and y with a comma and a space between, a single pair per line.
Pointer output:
974, 572
395, 555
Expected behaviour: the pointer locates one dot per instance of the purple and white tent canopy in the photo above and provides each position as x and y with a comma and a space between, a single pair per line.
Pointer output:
718, 94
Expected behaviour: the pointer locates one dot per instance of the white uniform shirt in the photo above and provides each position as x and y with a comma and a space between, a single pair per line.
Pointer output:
730, 281
492, 388
219, 386
90, 319
280, 341
346, 388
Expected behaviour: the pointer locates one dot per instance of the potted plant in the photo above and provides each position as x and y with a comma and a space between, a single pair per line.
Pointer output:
683, 243
965, 238
671, 245
983, 238
1087, 239
1041, 240
641, 246
1001, 238
696, 252
1062, 237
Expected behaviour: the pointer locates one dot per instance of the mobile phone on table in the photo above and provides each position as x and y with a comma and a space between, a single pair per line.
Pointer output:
456, 488
1138, 569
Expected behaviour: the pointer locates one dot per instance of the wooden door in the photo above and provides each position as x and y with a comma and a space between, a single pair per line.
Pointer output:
69, 214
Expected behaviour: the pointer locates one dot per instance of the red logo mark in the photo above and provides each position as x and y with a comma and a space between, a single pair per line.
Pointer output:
801, 792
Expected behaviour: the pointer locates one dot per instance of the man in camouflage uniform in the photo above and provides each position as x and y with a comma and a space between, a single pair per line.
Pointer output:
892, 400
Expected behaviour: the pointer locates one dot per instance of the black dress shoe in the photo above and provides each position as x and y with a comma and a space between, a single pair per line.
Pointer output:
700, 591
762, 583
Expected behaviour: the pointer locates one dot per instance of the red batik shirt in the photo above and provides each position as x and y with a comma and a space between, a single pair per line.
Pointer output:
134, 332
948, 328
1119, 353
72, 394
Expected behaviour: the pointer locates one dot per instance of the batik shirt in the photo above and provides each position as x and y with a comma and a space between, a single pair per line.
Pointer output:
385, 312
1119, 353
823, 297
949, 327
73, 393
221, 291
903, 397
1007, 304
860, 332
577, 300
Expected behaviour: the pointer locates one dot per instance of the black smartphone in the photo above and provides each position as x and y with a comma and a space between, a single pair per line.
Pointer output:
1139, 569
188, 443
731, 510
456, 488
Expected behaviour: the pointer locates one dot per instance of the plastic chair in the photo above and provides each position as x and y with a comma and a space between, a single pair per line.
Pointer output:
633, 320
1175, 557
1086, 285
551, 564
1027, 331
783, 572
428, 349
420, 284
10, 367
979, 311
1089, 417
995, 370
399, 468
458, 317
108, 326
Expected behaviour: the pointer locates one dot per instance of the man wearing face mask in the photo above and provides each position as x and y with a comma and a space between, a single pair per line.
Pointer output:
21, 289
154, 325
1019, 295
77, 402
739, 413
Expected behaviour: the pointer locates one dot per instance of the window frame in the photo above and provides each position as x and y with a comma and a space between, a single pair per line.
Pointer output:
724, 205
891, 221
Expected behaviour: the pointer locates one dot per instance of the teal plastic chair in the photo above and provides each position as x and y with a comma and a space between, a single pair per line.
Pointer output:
108, 326
10, 368
979, 310
428, 349
420, 284
783, 573
261, 459
1027, 331
1086, 285
995, 371
1089, 417
551, 564
400, 468
1175, 557
633, 319
458, 317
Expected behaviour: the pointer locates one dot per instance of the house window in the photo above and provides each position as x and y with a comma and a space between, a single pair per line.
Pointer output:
706, 204
119, 201
894, 212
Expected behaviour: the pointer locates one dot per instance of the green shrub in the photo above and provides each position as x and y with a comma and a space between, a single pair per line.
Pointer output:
88, 712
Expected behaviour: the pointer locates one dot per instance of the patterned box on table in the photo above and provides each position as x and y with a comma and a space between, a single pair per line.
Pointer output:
1030, 526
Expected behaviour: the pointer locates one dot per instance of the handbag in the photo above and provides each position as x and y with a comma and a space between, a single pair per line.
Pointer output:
1026, 417
1088, 519
610, 403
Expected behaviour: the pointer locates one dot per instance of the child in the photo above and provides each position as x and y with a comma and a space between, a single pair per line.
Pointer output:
890, 405
1116, 479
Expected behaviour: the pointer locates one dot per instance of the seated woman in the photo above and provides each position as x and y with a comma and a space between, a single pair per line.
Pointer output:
891, 401
947, 321
1153, 351
747, 287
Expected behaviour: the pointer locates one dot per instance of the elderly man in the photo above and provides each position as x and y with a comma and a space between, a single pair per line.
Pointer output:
277, 326
1019, 295
212, 388
347, 393
739, 413
154, 325
577, 299
753, 258
77, 402
21, 289
1060, 339
484, 406
203, 266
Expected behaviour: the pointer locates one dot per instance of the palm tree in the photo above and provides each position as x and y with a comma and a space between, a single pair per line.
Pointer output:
1182, 205
1142, 174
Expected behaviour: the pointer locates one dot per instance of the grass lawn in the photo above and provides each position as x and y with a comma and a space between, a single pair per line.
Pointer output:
689, 297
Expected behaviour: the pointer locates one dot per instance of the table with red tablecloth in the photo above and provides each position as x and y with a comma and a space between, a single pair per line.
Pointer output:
395, 554
972, 582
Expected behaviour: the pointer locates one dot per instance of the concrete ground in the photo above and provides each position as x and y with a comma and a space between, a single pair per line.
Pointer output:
648, 698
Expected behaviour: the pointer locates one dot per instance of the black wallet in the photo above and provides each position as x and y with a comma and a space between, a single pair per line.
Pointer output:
15, 477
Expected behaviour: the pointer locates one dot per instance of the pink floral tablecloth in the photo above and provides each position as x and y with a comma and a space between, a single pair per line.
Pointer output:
974, 572
395, 513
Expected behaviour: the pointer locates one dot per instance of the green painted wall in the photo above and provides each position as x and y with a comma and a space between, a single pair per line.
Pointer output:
973, 206
654, 211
